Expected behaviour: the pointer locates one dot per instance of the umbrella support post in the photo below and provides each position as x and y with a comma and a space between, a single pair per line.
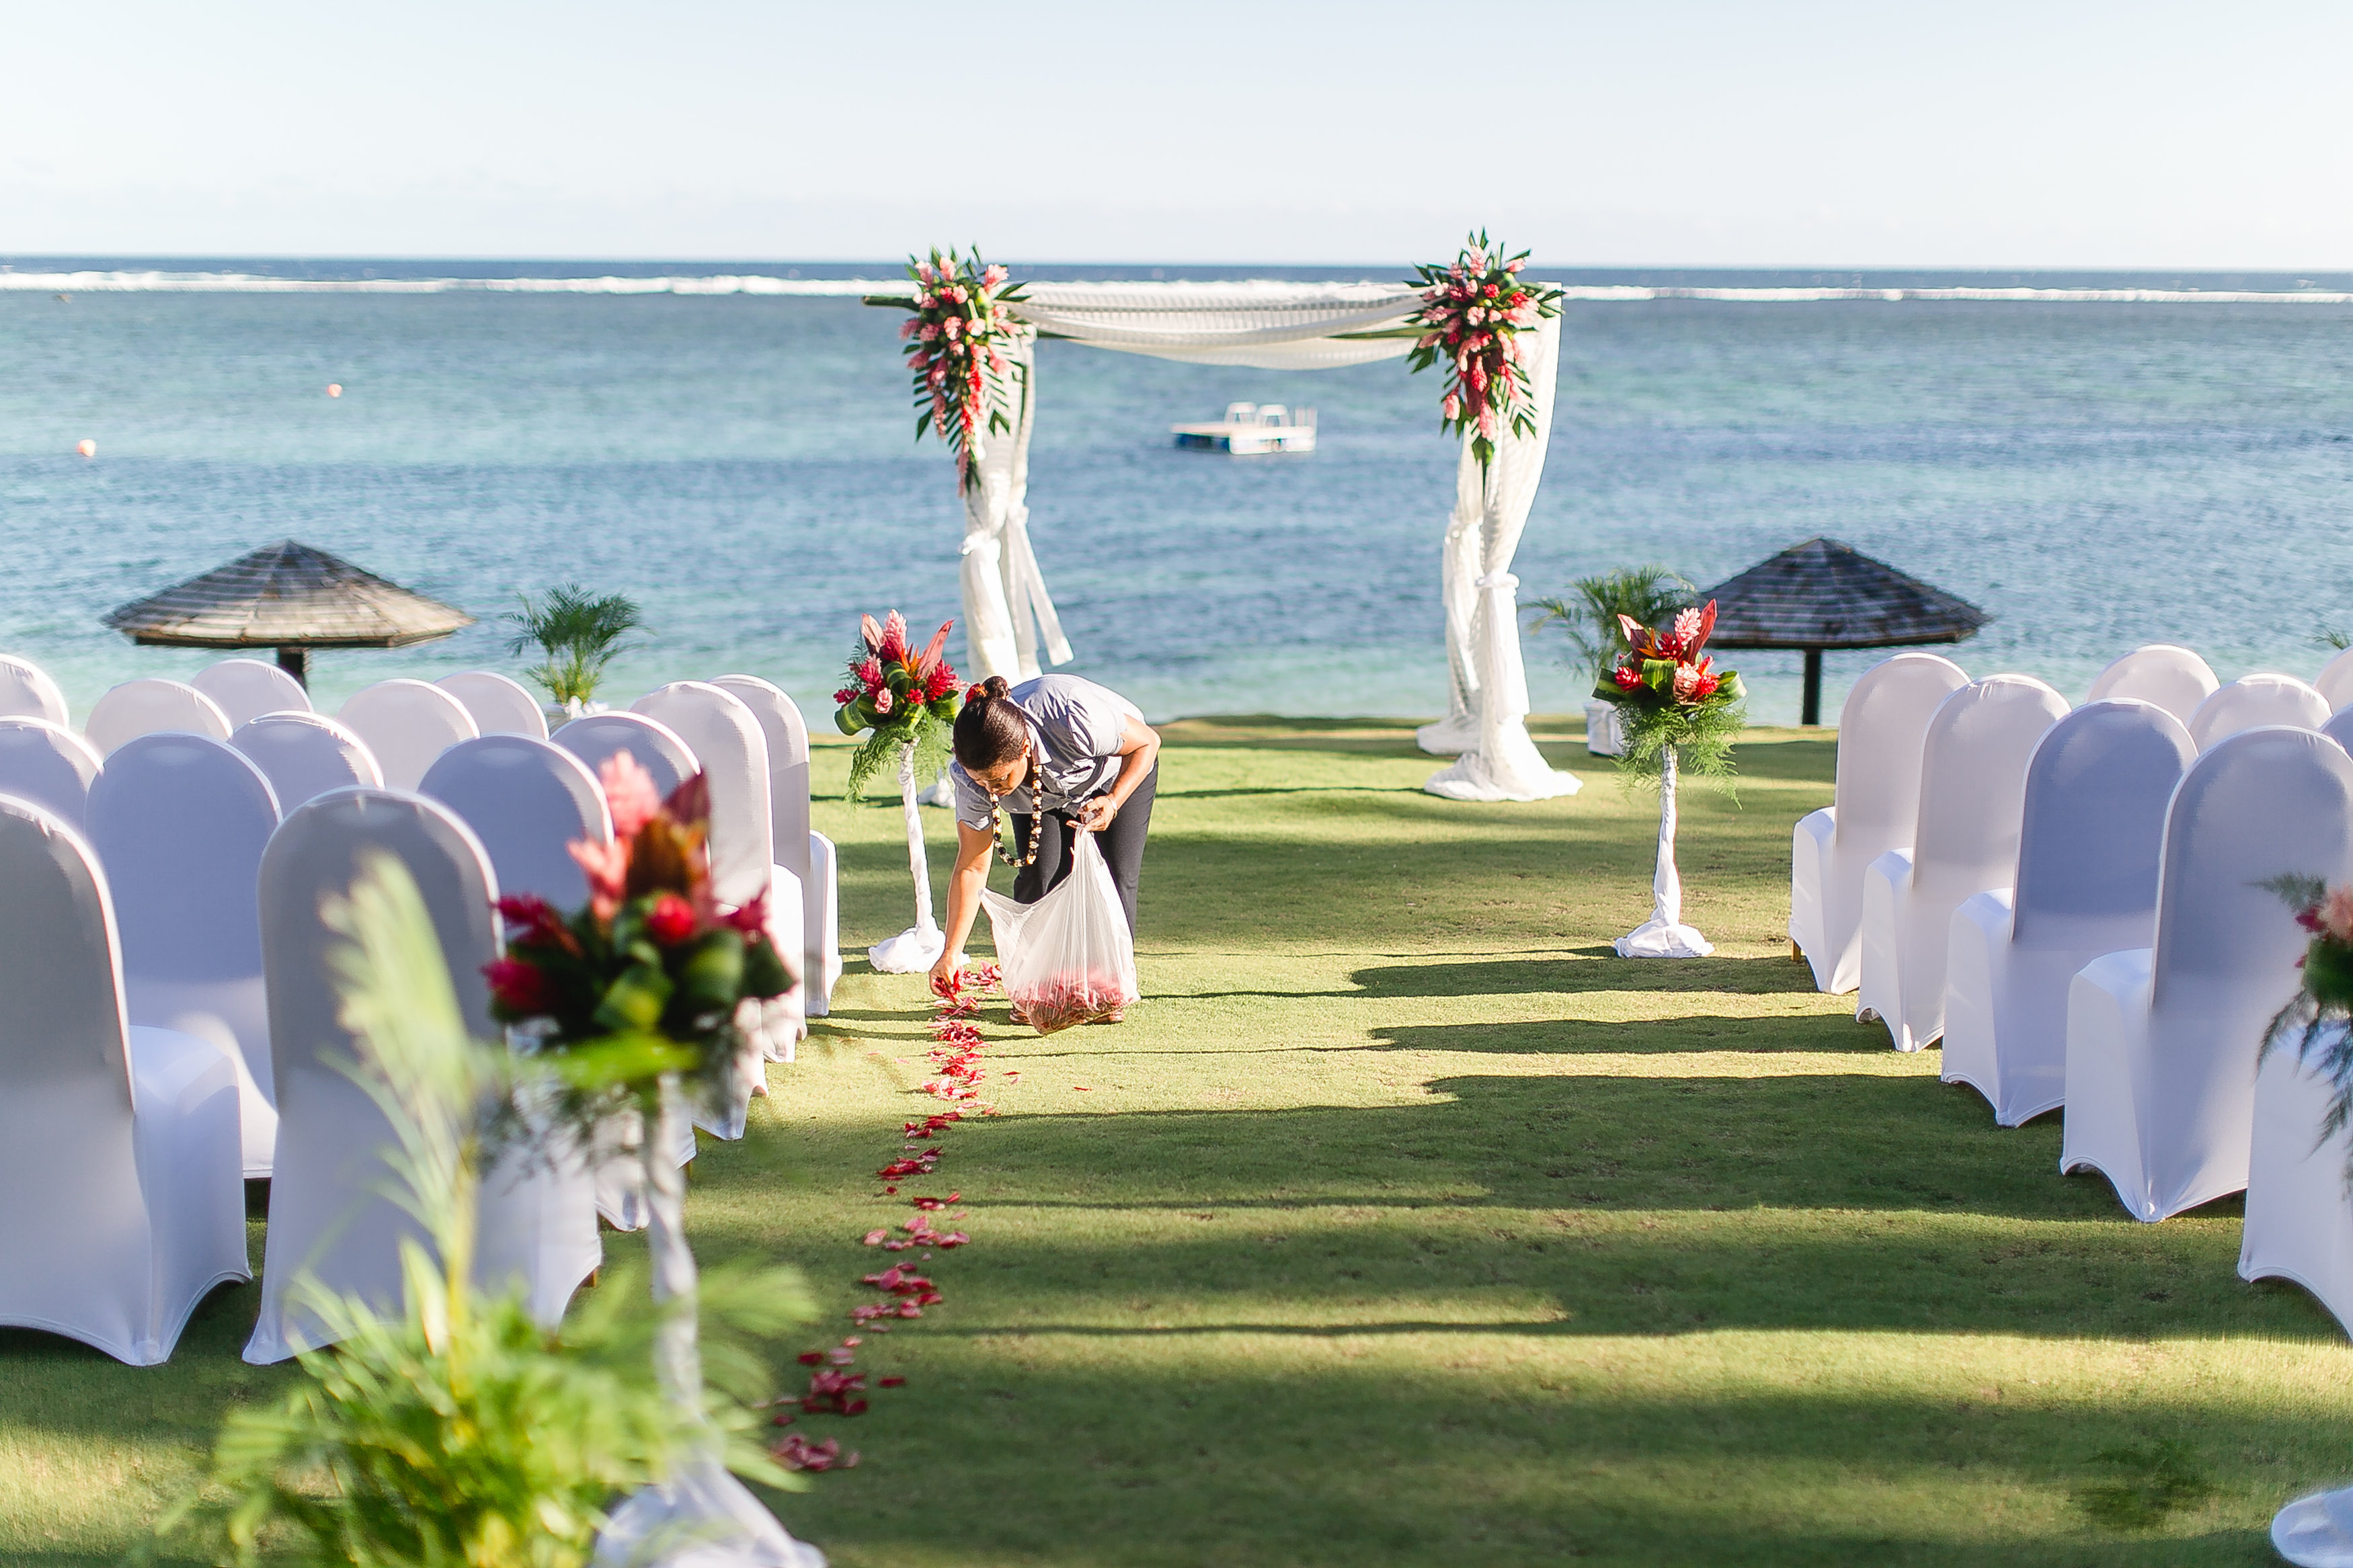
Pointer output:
296, 662
1813, 713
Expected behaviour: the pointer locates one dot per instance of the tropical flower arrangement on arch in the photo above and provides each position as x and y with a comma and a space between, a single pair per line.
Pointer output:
898, 697
1672, 699
956, 343
1472, 316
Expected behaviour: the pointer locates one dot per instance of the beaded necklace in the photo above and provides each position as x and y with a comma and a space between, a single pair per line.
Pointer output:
1036, 820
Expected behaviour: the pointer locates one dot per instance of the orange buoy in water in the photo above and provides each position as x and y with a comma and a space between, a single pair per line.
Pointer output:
87, 448
334, 389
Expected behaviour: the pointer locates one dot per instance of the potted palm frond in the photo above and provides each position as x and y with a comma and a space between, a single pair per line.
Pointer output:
1594, 613
578, 634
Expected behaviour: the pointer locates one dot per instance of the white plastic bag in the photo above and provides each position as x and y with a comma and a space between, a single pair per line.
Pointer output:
1067, 958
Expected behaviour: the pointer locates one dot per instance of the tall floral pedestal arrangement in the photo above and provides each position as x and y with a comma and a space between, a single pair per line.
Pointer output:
1676, 712
640, 1000
2315, 1531
903, 702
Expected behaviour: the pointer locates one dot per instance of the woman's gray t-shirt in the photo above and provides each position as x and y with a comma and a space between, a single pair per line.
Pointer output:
1074, 732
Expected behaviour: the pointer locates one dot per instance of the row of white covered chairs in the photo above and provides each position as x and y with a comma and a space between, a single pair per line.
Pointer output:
393, 732
131, 1133
183, 830
2073, 904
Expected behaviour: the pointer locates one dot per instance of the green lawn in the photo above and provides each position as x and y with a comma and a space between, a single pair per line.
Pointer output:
1403, 1225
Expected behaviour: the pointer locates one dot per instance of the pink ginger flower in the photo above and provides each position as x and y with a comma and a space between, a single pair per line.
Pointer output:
630, 793
908, 330
607, 867
994, 276
1515, 265
1451, 406
1686, 628
929, 333
883, 702
923, 271
894, 637
868, 672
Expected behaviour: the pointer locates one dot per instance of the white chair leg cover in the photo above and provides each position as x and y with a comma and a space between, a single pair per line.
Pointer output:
1809, 854
616, 1174
782, 1021
1886, 888
119, 1257
2300, 1225
2107, 1039
2006, 1013
821, 912
536, 1224
235, 1016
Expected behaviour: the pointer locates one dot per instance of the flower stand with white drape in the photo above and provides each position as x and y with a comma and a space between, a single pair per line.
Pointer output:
1664, 935
920, 945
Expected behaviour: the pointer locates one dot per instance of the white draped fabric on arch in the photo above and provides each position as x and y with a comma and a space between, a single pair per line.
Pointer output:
1009, 616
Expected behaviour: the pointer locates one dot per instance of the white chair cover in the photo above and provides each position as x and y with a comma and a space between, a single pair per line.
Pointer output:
1871, 809
27, 692
117, 1144
656, 746
2252, 700
50, 765
180, 822
304, 756
2298, 1226
2339, 727
2086, 885
149, 706
788, 814
525, 800
728, 741
2161, 1042
406, 725
1972, 794
327, 1212
2335, 681
501, 706
246, 689
2175, 679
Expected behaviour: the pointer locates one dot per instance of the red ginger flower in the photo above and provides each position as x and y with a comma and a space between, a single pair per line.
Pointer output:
518, 987
671, 920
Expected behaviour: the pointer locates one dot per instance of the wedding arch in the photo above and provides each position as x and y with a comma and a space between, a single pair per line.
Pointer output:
986, 359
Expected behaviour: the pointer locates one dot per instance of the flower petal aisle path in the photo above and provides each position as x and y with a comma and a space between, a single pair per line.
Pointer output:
1400, 1226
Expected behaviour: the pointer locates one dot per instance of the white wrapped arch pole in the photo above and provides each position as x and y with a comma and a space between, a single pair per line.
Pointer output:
1007, 611
1499, 761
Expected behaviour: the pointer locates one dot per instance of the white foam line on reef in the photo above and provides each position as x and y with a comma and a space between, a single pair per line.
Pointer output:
756, 283
255, 283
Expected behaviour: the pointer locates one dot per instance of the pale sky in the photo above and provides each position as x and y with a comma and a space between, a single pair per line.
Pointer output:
1805, 133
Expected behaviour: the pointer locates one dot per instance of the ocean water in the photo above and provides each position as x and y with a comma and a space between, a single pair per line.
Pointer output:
2098, 461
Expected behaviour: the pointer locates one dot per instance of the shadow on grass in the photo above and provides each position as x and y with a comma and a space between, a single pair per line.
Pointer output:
1773, 976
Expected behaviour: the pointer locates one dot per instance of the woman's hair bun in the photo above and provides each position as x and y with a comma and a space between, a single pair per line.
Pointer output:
976, 691
995, 686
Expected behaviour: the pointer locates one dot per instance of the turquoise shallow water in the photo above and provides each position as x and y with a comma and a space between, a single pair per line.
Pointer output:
2094, 474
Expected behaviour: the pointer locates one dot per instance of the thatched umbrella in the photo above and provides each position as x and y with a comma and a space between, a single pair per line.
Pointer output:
1824, 594
291, 597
